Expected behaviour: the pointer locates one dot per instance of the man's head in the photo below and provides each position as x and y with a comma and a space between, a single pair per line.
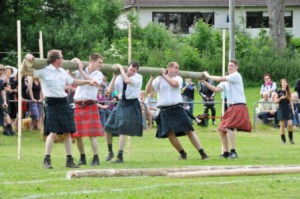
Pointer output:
266, 96
132, 68
96, 60
233, 66
173, 68
2, 69
55, 57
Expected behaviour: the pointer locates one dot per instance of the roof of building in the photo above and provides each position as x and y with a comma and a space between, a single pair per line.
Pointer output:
200, 3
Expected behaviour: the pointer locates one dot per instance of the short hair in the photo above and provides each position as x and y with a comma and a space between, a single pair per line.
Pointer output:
267, 74
95, 57
53, 55
172, 64
134, 64
234, 61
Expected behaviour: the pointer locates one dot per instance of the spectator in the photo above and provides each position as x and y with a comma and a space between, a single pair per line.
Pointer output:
35, 106
208, 98
268, 86
285, 110
267, 109
295, 101
151, 103
104, 83
103, 106
188, 89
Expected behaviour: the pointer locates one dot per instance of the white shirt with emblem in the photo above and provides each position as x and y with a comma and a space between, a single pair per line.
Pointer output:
133, 90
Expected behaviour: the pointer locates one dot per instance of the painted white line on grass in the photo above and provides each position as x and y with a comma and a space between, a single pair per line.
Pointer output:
151, 187
31, 182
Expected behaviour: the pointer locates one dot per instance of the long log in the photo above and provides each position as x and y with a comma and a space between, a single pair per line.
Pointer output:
235, 172
109, 68
169, 171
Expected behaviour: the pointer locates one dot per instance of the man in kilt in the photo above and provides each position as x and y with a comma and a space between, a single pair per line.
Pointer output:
237, 115
173, 119
58, 114
126, 117
86, 115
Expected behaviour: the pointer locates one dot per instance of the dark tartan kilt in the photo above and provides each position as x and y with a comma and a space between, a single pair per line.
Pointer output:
236, 117
285, 112
125, 119
59, 117
87, 121
175, 120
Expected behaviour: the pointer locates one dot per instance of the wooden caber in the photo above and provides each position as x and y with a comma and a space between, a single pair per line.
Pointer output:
109, 68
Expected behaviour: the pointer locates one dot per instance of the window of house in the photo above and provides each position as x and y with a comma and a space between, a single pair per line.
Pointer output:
182, 22
261, 19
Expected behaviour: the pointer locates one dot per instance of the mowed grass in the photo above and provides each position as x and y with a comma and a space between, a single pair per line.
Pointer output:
26, 178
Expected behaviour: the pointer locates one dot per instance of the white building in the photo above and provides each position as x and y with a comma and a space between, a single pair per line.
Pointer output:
180, 16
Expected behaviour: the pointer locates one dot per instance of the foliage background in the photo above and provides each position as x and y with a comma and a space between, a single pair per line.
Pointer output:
80, 27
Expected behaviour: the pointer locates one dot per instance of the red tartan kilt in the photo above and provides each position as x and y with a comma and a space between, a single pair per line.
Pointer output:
236, 117
87, 121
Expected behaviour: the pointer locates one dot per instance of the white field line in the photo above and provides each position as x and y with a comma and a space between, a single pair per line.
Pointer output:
151, 187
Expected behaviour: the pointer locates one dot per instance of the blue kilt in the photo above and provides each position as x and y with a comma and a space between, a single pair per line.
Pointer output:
59, 117
125, 119
175, 119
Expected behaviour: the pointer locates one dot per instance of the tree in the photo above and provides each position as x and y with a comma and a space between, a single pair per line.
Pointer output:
276, 23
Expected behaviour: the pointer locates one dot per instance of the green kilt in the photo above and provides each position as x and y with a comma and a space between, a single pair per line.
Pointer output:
125, 119
175, 119
59, 117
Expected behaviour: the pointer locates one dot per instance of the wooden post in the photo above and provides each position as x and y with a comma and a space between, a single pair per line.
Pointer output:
108, 68
19, 88
129, 60
223, 74
41, 48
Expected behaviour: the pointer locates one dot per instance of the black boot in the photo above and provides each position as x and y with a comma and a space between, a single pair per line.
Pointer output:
82, 160
95, 161
110, 156
283, 139
47, 163
10, 129
119, 157
291, 137
70, 163
5, 131
203, 155
183, 155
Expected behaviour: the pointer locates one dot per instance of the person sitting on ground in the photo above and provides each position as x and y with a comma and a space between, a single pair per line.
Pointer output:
268, 86
266, 108
151, 103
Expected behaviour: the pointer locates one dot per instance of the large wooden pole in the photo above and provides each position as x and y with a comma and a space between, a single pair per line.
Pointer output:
109, 68
41, 48
19, 89
129, 60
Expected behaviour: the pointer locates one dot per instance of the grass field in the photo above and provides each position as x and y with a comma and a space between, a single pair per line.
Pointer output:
26, 178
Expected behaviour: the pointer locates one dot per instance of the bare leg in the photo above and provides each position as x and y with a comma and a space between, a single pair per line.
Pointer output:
194, 139
80, 145
174, 141
231, 135
122, 142
68, 143
94, 143
49, 143
282, 127
109, 138
290, 125
224, 140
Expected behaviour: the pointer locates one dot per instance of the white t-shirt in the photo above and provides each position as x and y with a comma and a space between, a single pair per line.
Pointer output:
235, 93
133, 90
88, 92
53, 81
166, 94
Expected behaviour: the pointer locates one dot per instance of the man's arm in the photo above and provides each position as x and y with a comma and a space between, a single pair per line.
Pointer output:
215, 78
211, 87
149, 88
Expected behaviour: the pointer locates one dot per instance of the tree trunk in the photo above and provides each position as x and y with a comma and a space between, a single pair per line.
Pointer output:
276, 23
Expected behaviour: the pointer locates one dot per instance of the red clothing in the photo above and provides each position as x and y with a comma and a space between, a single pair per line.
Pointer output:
87, 121
236, 117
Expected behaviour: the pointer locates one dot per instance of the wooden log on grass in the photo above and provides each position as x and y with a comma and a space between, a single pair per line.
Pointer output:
109, 68
235, 172
182, 172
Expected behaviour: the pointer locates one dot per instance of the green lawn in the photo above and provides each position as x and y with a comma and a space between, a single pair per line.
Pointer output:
26, 178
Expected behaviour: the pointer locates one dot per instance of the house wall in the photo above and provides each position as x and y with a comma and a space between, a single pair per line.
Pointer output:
145, 16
